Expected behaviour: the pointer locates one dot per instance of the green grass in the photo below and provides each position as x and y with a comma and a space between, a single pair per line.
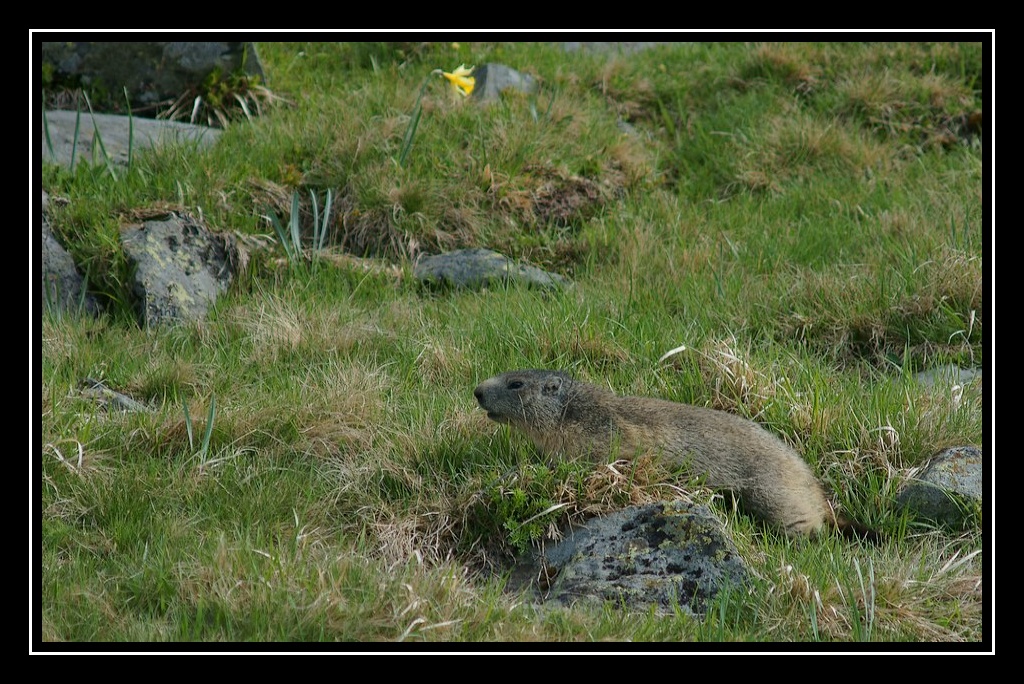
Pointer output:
805, 218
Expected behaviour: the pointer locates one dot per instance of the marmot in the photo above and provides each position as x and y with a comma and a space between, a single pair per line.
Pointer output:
570, 418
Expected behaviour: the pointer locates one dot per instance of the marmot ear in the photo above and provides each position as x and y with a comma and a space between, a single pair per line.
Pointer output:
551, 386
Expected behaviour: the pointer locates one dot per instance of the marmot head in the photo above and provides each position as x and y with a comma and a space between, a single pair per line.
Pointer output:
532, 398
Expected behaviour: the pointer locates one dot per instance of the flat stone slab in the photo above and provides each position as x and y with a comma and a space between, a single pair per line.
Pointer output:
478, 268
114, 132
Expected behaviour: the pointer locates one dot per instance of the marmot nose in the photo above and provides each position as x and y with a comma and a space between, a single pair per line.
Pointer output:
478, 393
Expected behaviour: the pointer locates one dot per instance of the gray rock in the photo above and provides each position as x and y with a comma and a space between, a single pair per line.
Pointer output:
625, 48
64, 289
478, 268
107, 398
493, 79
950, 490
114, 133
152, 72
665, 555
948, 374
180, 268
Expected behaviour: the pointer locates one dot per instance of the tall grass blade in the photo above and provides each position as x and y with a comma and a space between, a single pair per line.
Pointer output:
205, 446
327, 219
281, 236
551, 103
188, 424
98, 137
131, 126
85, 289
316, 219
320, 226
46, 134
294, 224
241, 103
869, 599
410, 133
74, 138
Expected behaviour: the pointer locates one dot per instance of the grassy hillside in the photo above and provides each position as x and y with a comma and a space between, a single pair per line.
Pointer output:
807, 219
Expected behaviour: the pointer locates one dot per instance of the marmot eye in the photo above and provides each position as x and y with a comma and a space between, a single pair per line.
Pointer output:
515, 384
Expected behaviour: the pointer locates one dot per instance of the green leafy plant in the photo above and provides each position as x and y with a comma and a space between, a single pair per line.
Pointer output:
291, 239
525, 505
220, 98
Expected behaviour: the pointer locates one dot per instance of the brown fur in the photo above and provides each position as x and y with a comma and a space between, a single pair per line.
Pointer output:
565, 417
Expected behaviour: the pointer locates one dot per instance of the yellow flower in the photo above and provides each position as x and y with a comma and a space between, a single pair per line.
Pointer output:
461, 80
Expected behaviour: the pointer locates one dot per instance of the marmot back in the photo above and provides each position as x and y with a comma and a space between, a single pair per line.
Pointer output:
565, 417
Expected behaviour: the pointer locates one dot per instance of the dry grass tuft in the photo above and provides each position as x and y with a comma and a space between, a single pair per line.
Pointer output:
272, 328
277, 328
326, 585
63, 341
930, 109
164, 376
942, 602
425, 537
631, 165
373, 232
834, 316
796, 144
552, 197
952, 277
794, 65
584, 344
943, 406
440, 361
735, 383
642, 480
74, 456
342, 408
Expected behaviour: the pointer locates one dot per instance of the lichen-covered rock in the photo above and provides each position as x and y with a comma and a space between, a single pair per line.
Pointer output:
180, 267
949, 491
667, 555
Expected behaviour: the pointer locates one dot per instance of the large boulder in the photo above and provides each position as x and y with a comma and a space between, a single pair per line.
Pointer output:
180, 266
152, 72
